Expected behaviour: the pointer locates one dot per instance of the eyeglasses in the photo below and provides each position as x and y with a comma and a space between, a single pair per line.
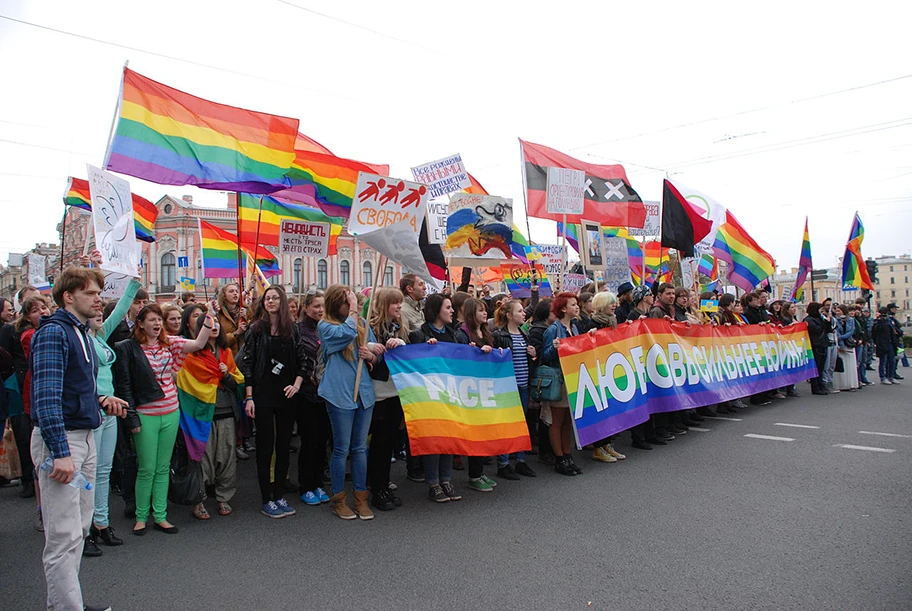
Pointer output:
272, 298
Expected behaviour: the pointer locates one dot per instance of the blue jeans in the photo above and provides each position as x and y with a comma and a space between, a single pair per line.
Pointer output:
859, 356
504, 459
829, 366
349, 428
437, 468
105, 442
887, 365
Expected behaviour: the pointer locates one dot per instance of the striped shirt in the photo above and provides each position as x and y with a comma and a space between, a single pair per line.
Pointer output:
165, 361
520, 359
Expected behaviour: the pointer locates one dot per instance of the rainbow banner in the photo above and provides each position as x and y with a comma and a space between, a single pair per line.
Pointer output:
144, 212
458, 400
220, 254
616, 378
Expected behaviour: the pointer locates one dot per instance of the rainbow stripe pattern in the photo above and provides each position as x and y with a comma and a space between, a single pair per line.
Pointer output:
144, 212
854, 268
805, 263
518, 278
748, 264
220, 250
270, 221
169, 137
616, 378
458, 400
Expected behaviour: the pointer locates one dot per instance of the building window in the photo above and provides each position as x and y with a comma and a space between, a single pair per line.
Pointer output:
321, 274
168, 272
296, 276
345, 273
891, 268
892, 280
388, 276
367, 276
892, 293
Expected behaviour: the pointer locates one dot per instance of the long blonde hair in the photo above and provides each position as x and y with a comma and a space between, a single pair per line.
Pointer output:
336, 296
380, 321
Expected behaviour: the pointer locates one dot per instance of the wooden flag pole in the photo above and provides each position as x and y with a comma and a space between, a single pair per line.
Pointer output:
560, 285
256, 241
381, 264
237, 211
63, 235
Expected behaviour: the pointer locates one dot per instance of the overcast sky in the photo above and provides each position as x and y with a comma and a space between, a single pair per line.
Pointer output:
777, 110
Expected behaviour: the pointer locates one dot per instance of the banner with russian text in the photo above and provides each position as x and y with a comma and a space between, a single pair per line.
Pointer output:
459, 400
616, 378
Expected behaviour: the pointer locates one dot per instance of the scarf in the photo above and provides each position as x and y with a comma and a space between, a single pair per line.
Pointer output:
197, 388
603, 320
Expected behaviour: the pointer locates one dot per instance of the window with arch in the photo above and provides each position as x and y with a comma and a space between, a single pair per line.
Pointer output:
388, 276
367, 274
168, 271
345, 273
321, 274
296, 276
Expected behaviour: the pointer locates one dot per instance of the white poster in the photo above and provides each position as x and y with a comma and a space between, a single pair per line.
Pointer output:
399, 244
436, 221
552, 259
479, 229
653, 226
617, 267
381, 201
115, 285
566, 191
112, 216
688, 271
37, 270
307, 238
574, 282
443, 176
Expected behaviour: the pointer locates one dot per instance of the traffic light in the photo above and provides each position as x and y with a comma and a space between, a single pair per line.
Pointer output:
871, 264
819, 274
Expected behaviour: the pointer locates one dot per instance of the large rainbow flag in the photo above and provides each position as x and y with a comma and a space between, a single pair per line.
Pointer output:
220, 250
458, 400
169, 137
748, 264
197, 387
617, 377
270, 220
805, 263
854, 268
144, 212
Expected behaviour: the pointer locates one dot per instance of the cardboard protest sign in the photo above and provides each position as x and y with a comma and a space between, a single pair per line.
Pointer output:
112, 216
443, 176
617, 267
566, 191
551, 259
307, 238
115, 285
653, 225
479, 229
574, 282
381, 201
437, 213
37, 271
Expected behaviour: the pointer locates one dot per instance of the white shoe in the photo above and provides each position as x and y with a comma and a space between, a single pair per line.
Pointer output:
886, 382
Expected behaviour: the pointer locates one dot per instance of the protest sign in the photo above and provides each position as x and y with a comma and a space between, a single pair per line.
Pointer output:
518, 278
401, 245
551, 259
112, 216
37, 271
616, 378
381, 201
479, 229
443, 176
574, 282
566, 191
653, 225
617, 267
459, 400
688, 271
592, 252
307, 238
436, 221
115, 285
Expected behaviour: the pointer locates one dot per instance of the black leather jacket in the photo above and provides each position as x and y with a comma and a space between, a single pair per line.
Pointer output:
134, 380
256, 356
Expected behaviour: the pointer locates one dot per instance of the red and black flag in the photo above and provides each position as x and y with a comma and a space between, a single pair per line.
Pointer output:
683, 224
433, 255
609, 198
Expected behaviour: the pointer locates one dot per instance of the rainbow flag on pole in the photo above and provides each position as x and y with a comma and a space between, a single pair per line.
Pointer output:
270, 220
220, 254
197, 387
458, 400
854, 268
748, 264
144, 212
805, 264
169, 137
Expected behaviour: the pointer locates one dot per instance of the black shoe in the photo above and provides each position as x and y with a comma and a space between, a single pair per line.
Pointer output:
898, 377
664, 436
28, 490
677, 430
525, 470
416, 476
396, 500
383, 500
562, 466
168, 530
130, 510
793, 393
573, 466
91, 549
106, 535
656, 441
641, 445
819, 392
507, 472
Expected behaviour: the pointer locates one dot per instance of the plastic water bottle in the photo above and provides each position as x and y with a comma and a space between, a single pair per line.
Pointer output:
79, 480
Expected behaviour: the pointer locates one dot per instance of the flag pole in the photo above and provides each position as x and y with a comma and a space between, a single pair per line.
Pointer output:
560, 285
63, 235
381, 264
256, 242
237, 210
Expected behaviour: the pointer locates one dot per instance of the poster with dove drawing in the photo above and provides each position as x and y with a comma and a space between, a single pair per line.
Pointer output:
112, 216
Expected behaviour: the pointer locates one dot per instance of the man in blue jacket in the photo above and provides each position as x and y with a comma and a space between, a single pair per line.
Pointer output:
66, 408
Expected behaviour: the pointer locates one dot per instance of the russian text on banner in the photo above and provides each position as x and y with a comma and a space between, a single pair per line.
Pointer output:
458, 400
616, 378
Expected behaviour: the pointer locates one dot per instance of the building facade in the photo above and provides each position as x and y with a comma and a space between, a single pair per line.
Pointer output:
15, 274
893, 286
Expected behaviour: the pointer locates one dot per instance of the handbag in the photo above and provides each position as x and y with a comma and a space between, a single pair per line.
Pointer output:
10, 467
547, 384
187, 486
840, 366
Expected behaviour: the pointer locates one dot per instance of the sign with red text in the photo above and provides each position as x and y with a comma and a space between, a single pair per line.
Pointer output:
566, 191
381, 201
304, 238
443, 176
653, 226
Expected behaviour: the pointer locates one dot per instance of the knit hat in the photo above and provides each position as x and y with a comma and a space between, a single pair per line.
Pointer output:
640, 293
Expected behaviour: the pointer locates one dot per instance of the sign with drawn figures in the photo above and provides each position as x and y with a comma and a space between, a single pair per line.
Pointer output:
112, 216
443, 176
115, 285
381, 201
307, 238
479, 228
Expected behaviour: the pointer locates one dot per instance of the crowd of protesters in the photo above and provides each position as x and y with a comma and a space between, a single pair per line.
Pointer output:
101, 392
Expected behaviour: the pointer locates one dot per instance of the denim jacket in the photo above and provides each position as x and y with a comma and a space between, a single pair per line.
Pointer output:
556, 330
338, 383
845, 330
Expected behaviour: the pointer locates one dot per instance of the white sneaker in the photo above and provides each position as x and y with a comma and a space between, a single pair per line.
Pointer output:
886, 382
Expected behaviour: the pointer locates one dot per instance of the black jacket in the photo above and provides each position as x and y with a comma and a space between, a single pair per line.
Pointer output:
817, 331
134, 379
503, 339
423, 333
256, 356
307, 328
537, 340
756, 315
883, 333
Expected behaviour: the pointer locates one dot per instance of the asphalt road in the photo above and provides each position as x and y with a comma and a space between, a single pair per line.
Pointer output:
715, 520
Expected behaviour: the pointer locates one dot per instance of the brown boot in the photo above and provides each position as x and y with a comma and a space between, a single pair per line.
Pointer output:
340, 507
362, 507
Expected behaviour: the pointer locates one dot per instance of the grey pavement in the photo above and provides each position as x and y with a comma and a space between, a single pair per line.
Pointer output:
715, 520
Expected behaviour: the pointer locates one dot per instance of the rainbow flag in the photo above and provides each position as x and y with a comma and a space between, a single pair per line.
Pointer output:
658, 260
220, 254
708, 266
144, 212
256, 278
518, 278
169, 137
854, 268
458, 400
197, 386
748, 264
270, 221
805, 264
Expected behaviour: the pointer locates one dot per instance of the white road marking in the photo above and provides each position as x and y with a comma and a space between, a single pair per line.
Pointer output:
885, 434
797, 426
848, 446
699, 430
723, 418
769, 437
